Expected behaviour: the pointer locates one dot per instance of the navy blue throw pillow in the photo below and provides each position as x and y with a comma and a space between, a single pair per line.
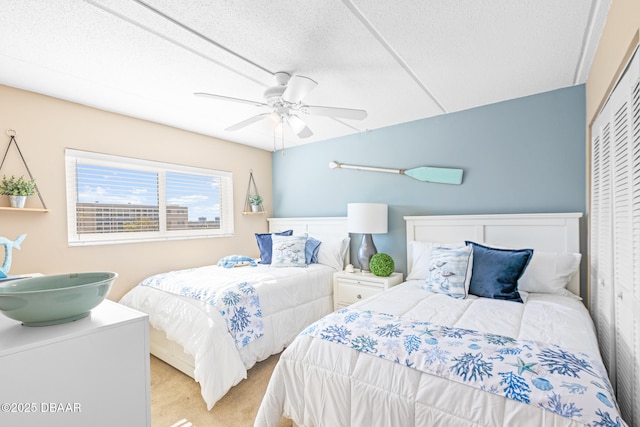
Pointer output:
496, 271
265, 243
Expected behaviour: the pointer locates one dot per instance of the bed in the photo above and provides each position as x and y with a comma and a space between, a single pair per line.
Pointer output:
420, 354
193, 330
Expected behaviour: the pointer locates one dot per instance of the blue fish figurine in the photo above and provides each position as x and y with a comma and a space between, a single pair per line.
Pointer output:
9, 245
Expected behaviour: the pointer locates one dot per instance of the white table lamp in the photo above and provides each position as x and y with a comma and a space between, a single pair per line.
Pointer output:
366, 218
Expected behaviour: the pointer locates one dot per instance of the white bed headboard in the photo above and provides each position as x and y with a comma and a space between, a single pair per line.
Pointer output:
545, 232
331, 226
320, 226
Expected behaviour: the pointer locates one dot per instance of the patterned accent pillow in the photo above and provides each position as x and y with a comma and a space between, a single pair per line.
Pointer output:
264, 244
450, 270
288, 251
421, 257
236, 261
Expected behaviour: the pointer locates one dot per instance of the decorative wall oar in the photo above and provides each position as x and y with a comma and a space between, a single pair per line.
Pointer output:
422, 173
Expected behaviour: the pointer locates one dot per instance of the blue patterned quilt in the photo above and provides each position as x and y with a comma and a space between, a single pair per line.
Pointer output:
237, 302
543, 375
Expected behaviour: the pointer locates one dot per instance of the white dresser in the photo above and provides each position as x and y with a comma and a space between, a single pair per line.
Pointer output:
90, 372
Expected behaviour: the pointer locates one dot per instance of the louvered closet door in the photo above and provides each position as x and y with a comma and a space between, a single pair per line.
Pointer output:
615, 242
635, 213
633, 297
623, 249
602, 304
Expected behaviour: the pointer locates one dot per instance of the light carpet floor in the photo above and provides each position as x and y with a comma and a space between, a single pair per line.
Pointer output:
176, 399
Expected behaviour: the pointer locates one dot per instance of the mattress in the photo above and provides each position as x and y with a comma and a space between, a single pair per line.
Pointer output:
319, 383
290, 299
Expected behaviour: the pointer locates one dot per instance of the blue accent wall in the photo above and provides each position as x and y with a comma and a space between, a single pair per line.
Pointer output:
526, 155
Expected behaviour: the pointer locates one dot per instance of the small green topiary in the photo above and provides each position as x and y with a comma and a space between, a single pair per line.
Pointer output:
381, 265
17, 186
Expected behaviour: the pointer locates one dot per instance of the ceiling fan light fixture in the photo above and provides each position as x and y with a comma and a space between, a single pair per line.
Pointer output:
274, 119
298, 126
296, 123
285, 99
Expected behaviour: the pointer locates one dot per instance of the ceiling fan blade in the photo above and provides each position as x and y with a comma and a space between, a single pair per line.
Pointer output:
340, 113
298, 126
228, 98
247, 122
297, 88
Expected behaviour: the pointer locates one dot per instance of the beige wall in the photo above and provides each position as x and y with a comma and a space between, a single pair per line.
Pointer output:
619, 38
45, 126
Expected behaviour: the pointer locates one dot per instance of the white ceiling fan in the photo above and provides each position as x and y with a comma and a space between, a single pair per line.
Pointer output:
285, 102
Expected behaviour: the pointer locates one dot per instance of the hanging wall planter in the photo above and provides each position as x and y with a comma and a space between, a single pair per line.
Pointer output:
18, 189
253, 200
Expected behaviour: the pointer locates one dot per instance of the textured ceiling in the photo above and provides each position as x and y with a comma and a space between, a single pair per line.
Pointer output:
399, 61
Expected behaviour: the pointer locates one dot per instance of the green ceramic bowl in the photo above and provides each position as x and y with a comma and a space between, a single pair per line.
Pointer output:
50, 300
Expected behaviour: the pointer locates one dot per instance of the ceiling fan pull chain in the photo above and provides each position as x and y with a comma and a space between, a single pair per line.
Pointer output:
282, 133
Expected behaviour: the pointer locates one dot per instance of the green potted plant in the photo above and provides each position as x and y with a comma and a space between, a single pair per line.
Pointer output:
255, 200
18, 189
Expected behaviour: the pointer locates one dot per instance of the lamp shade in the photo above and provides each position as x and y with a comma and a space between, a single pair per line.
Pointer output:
367, 218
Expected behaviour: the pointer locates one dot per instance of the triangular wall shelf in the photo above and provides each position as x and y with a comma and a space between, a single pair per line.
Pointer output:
252, 190
12, 140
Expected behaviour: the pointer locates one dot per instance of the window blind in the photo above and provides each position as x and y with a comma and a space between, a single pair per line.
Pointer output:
113, 199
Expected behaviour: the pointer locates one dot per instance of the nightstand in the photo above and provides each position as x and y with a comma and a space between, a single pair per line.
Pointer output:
349, 288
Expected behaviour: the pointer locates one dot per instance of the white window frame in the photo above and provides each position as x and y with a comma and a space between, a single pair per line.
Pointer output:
72, 157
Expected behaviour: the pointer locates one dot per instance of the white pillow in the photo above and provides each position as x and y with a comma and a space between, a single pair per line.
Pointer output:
332, 250
549, 272
421, 256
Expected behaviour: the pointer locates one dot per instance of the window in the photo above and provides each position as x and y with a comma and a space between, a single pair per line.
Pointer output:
113, 199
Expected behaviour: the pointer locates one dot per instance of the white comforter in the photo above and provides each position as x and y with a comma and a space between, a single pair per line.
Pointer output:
318, 383
291, 299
